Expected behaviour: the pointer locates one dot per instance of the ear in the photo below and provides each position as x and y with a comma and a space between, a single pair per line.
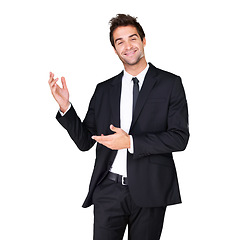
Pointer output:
114, 50
144, 41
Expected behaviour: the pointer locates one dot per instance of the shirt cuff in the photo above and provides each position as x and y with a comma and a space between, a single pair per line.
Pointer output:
131, 149
62, 114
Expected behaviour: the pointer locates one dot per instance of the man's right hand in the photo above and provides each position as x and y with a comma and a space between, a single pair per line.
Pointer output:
61, 95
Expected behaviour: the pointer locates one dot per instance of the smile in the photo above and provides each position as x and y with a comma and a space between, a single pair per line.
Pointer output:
130, 53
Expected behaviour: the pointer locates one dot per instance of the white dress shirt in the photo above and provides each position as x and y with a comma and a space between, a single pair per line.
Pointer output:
126, 104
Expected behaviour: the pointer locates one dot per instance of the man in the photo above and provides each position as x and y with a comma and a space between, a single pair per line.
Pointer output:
138, 118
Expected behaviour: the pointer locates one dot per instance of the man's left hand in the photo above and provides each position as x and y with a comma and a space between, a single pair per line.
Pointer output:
118, 140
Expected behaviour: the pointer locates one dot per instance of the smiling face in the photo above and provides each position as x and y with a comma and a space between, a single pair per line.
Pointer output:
129, 47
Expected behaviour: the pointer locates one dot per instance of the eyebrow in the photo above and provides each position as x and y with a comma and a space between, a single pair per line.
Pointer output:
133, 35
118, 39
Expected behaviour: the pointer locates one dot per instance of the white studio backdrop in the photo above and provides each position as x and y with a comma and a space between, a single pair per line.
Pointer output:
44, 177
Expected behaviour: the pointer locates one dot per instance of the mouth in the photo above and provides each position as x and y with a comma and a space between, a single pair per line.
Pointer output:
130, 53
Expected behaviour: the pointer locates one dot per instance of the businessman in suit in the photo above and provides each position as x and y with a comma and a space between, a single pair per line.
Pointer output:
138, 119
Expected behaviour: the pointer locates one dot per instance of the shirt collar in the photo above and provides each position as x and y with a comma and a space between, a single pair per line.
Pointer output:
140, 76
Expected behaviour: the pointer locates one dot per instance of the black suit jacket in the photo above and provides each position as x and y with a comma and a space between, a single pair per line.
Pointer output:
159, 127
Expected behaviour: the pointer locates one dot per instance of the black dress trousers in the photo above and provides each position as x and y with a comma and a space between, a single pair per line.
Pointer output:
114, 210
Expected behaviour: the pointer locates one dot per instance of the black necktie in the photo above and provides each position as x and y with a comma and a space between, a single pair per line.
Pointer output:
135, 91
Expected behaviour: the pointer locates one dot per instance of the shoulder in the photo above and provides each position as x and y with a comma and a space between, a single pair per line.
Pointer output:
162, 74
111, 81
164, 79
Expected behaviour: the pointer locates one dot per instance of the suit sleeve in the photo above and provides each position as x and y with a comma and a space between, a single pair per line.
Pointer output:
176, 136
80, 132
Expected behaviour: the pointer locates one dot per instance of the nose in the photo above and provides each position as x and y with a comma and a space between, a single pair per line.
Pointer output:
128, 45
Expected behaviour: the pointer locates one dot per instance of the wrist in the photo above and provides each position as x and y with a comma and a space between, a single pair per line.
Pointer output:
64, 108
131, 148
129, 142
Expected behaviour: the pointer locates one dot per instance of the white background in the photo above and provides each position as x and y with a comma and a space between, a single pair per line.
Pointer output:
44, 177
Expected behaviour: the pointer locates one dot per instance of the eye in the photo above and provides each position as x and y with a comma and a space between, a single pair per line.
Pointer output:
119, 43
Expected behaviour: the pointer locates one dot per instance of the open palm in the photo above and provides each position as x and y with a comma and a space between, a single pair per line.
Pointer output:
61, 95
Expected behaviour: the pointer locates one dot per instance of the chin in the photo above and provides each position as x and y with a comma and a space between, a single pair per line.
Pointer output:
134, 61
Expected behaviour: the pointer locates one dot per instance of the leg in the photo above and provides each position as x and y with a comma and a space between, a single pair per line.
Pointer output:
146, 223
110, 211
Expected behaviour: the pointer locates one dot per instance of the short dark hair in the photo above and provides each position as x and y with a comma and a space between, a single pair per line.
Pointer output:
124, 20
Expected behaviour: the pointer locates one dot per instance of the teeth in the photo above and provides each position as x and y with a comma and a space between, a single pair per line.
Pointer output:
130, 53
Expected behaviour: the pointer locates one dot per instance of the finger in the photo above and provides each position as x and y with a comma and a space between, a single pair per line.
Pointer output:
114, 129
53, 83
102, 139
51, 77
64, 82
51, 74
97, 138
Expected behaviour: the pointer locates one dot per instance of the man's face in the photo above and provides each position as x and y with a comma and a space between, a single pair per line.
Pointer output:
128, 45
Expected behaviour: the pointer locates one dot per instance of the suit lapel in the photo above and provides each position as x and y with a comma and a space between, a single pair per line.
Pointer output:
115, 95
149, 81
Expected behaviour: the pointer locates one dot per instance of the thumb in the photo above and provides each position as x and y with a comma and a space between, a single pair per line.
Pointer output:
114, 129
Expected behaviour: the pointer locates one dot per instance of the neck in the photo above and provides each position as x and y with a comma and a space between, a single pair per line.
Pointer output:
135, 69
